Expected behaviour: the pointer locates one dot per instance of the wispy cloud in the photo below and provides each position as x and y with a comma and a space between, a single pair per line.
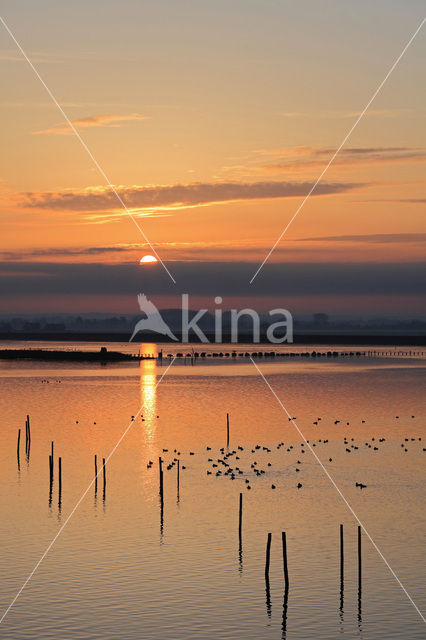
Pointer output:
372, 238
303, 158
347, 113
309, 159
350, 248
175, 196
103, 120
37, 57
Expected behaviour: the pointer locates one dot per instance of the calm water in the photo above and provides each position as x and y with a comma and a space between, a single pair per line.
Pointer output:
124, 568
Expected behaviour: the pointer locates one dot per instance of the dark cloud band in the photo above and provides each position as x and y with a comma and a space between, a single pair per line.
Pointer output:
212, 278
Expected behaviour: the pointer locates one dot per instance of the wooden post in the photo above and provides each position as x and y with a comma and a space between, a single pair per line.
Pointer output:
240, 535
267, 588
268, 556
19, 440
178, 478
160, 470
359, 577
96, 474
285, 560
29, 433
359, 558
104, 474
341, 573
227, 429
59, 481
51, 454
160, 467
50, 480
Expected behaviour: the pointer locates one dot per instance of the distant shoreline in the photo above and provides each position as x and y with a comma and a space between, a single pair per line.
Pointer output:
299, 338
49, 355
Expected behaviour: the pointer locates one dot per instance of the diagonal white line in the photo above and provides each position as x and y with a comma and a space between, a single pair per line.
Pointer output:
339, 492
79, 501
86, 148
333, 157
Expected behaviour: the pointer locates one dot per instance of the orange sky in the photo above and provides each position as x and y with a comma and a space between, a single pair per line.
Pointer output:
212, 148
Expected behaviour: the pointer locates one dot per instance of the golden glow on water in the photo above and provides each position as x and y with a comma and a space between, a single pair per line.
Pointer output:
148, 381
148, 349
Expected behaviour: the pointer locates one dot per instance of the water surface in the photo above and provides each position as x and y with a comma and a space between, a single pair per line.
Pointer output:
126, 568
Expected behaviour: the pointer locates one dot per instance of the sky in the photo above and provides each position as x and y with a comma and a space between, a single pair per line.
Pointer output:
212, 120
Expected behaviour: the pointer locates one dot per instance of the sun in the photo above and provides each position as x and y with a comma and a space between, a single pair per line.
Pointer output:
147, 259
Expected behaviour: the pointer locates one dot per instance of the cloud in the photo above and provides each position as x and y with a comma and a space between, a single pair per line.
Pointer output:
176, 196
326, 248
105, 120
37, 57
299, 159
372, 238
71, 252
341, 113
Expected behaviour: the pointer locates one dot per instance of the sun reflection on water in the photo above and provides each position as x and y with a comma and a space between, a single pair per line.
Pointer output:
148, 382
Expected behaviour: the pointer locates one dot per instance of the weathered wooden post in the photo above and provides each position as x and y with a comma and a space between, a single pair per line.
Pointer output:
27, 437
96, 474
50, 480
178, 478
18, 447
359, 559
160, 469
104, 477
267, 587
227, 429
359, 576
341, 570
59, 482
286, 581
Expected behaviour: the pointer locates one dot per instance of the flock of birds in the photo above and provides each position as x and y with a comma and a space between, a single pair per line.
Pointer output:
249, 463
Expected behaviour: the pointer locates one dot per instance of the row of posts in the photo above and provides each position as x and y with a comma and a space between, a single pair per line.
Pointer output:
284, 546
285, 567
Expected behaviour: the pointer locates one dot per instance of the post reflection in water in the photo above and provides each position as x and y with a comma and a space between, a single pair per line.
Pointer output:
284, 619
240, 554
268, 598
342, 586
